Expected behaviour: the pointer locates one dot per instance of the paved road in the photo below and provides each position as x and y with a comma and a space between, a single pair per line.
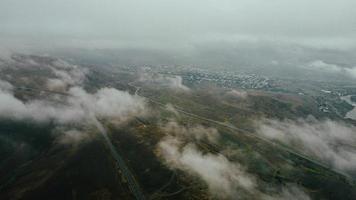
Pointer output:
131, 181
247, 132
250, 134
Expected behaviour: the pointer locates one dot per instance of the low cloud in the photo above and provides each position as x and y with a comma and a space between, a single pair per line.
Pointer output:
197, 132
66, 75
176, 82
172, 82
225, 179
69, 74
290, 192
56, 84
67, 78
72, 137
329, 141
109, 103
60, 74
238, 94
75, 107
222, 177
172, 109
105, 103
5, 86
323, 67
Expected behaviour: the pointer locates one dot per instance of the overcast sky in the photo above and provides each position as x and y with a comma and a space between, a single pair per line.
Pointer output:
180, 22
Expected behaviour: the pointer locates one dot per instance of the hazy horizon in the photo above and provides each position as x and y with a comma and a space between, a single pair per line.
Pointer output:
178, 24
309, 39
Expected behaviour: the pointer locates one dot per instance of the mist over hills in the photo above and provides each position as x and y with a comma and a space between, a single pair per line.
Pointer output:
167, 99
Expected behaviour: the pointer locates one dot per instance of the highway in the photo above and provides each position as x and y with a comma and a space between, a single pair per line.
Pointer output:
125, 171
131, 181
133, 184
249, 134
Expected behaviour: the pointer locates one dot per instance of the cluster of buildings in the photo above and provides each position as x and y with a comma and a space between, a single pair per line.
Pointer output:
229, 80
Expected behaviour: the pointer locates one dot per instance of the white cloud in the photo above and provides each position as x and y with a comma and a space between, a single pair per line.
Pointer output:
78, 107
65, 77
197, 132
225, 179
5, 86
61, 73
177, 82
292, 192
105, 103
329, 141
38, 110
109, 102
238, 93
172, 109
172, 82
323, 67
72, 137
56, 84
66, 74
222, 176
351, 71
